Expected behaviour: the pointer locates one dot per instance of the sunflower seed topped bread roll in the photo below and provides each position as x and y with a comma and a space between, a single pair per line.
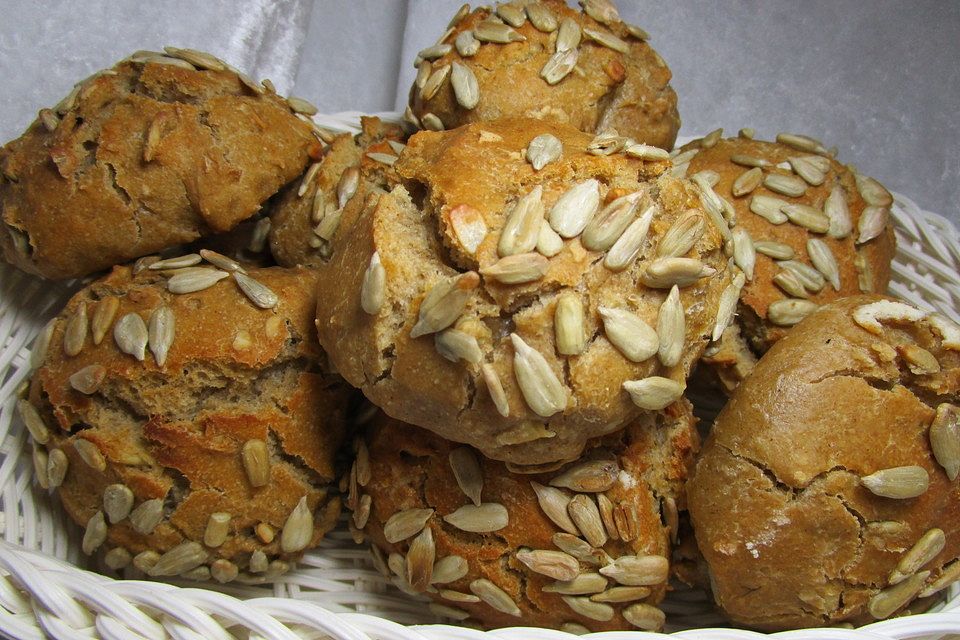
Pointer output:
584, 546
187, 422
307, 213
545, 60
806, 230
827, 490
157, 151
522, 310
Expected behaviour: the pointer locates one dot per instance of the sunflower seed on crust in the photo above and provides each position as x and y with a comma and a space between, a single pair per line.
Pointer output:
199, 59
727, 307
513, 15
362, 513
888, 601
258, 238
466, 45
898, 482
811, 279
580, 549
872, 192
580, 585
466, 470
807, 217
217, 529
682, 235
183, 557
948, 331
872, 222
543, 150
585, 514
256, 462
802, 143
298, 528
665, 273
549, 242
458, 17
574, 209
822, 258
495, 389
790, 284
465, 87
496, 32
405, 524
75, 333
654, 393
606, 39
57, 466
494, 596
568, 35
622, 594
606, 227
948, 575
606, 514
457, 596
836, 210
923, 551
482, 518
347, 185
131, 335
775, 250
543, 391
553, 564
434, 52
645, 616
541, 17
626, 331
521, 228
769, 208
606, 143
117, 558
194, 281
646, 152
444, 303
809, 169
33, 421
455, 345
148, 514
592, 476
624, 251
95, 533
785, 185
449, 569
431, 122
786, 313
671, 329
603, 11
518, 268
638, 571
187, 260
589, 609
747, 181
944, 435
468, 225
420, 559
117, 502
559, 65
869, 316
553, 502
373, 291
88, 379
90, 454
750, 161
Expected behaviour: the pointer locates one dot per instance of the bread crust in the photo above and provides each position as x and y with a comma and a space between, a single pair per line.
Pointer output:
792, 536
627, 92
233, 374
146, 156
413, 231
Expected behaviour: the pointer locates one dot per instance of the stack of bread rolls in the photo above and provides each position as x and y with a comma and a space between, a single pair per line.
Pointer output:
476, 329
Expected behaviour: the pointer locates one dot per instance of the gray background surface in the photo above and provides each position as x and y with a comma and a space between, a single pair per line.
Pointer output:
879, 79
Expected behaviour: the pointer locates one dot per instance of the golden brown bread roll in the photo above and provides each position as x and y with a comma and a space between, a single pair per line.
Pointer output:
191, 433
153, 153
545, 60
456, 304
441, 515
828, 490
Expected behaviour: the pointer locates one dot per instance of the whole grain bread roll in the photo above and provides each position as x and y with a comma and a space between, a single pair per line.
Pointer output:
827, 490
455, 303
155, 152
307, 212
191, 434
807, 230
586, 546
545, 60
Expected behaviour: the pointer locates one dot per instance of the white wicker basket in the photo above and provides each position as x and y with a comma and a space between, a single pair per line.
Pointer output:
335, 591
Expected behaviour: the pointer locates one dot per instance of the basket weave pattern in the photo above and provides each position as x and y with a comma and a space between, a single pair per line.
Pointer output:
335, 591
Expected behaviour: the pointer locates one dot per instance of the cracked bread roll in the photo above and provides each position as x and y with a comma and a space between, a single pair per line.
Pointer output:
807, 230
193, 433
306, 214
583, 547
153, 153
545, 60
522, 311
827, 489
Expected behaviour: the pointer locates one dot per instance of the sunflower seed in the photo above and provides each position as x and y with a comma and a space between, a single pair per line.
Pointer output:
431, 122
449, 569
775, 250
183, 557
298, 528
638, 571
145, 559
423, 74
347, 185
75, 333
622, 594
645, 617
713, 205
458, 17
40, 464
822, 258
419, 561
664, 273
32, 421
457, 596
549, 243
404, 524
811, 279
603, 230
864, 273
148, 514
872, 222
575, 208
589, 609
559, 65
56, 469
606, 39
299, 105
836, 210
257, 292
117, 502
750, 161
671, 329
160, 333
786, 185
543, 150
218, 526
869, 316
607, 143
654, 393
707, 176
522, 227
786, 313
327, 227
117, 558
568, 36
258, 238
744, 253
923, 551
569, 325
495, 389
434, 52
626, 331
466, 44
374, 288
802, 143
362, 513
580, 549
199, 59
469, 226
455, 345
593, 476
807, 217
196, 280
187, 260
494, 596
513, 15
944, 437
727, 307
624, 251
410, 119
574, 628
788, 281
49, 119
872, 192
898, 482
518, 268
264, 532
646, 152
444, 303
541, 17
543, 391
585, 515
497, 32
95, 533
605, 507
583, 584
383, 158
553, 564
682, 235
307, 180
948, 575
90, 454
768, 208
482, 518
465, 87
948, 331
810, 168
223, 571
526, 432
554, 503
41, 344
888, 601
747, 181
256, 462
466, 470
